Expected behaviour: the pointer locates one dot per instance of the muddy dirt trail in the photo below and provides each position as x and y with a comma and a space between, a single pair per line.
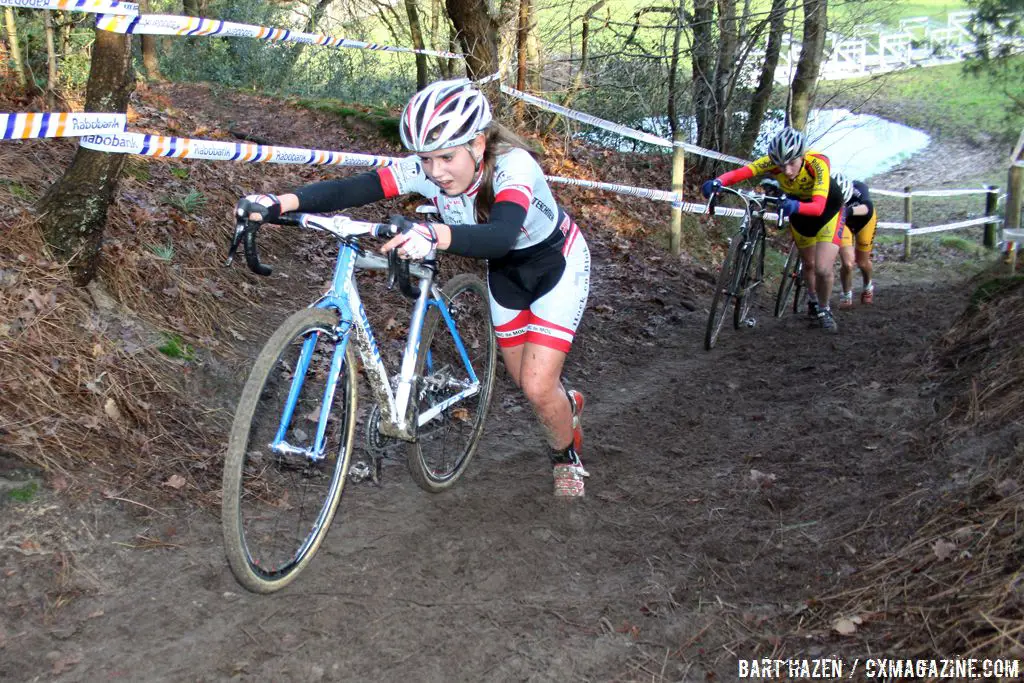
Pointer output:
727, 488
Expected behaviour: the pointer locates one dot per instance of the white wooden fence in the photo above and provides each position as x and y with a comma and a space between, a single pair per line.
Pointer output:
919, 41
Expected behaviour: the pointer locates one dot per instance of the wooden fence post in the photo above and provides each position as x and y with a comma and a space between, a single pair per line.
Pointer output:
991, 201
1014, 196
908, 218
678, 173
1011, 216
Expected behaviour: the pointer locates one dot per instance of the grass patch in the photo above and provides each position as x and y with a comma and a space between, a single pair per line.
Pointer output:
137, 168
180, 173
191, 202
176, 347
19, 190
164, 252
943, 100
381, 119
24, 494
962, 244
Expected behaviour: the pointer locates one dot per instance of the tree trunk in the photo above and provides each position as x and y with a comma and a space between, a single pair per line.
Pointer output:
150, 61
725, 70
759, 102
703, 77
522, 37
477, 29
15, 48
51, 62
74, 210
191, 8
417, 42
807, 67
577, 81
673, 69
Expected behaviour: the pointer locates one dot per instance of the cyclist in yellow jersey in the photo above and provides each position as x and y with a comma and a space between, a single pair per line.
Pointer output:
814, 207
860, 231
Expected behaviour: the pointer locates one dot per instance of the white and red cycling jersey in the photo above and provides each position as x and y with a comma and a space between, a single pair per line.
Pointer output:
518, 178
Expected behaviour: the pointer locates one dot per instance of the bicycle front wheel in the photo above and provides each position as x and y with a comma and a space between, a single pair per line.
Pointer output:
723, 292
752, 277
279, 501
450, 432
790, 280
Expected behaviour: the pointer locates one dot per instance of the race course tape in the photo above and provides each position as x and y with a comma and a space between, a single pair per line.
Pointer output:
928, 193
212, 150
646, 193
171, 25
58, 125
96, 6
617, 128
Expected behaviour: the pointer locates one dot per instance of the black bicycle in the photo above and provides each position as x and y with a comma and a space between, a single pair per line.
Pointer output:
792, 283
742, 273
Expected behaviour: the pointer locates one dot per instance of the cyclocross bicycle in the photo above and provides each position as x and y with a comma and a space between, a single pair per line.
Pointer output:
792, 282
742, 273
292, 438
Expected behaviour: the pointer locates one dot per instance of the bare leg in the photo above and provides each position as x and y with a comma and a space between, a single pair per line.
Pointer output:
847, 258
864, 263
537, 370
807, 255
824, 264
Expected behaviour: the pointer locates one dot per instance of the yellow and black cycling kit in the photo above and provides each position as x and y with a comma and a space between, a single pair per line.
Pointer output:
820, 217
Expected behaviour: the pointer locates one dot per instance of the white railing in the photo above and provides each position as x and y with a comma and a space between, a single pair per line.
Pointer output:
875, 49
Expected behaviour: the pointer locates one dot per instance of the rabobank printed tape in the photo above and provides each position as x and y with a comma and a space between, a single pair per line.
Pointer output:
95, 6
172, 25
58, 125
213, 150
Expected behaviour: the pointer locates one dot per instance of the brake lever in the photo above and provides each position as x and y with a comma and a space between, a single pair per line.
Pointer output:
236, 239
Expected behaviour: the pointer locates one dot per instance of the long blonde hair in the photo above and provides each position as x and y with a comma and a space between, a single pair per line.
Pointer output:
499, 140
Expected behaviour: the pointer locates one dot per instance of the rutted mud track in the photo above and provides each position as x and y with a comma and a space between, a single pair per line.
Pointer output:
727, 488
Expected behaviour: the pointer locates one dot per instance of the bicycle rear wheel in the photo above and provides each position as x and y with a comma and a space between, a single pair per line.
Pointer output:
446, 442
790, 281
724, 289
277, 506
752, 276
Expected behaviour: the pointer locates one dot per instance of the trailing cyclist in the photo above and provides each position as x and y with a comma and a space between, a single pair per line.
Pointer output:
814, 206
495, 204
860, 221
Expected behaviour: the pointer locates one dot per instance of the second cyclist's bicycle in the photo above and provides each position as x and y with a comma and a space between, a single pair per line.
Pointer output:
292, 439
791, 284
742, 273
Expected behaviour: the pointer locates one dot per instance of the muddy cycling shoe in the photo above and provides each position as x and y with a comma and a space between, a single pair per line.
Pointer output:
846, 300
576, 401
569, 480
827, 321
867, 296
568, 473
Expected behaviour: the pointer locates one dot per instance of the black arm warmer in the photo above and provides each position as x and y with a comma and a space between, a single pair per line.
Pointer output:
341, 193
489, 240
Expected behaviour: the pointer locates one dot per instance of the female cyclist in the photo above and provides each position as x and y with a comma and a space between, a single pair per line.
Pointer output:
814, 208
860, 233
495, 204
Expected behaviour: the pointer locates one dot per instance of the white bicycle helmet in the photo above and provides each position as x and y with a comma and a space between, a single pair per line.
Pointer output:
844, 183
444, 114
789, 144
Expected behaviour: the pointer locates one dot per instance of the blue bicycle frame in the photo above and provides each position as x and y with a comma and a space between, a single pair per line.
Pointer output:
343, 297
